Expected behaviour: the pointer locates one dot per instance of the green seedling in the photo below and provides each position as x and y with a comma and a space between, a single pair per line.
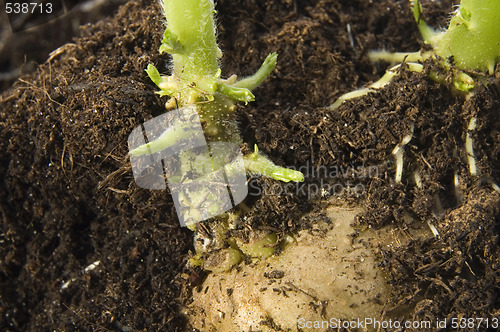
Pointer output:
195, 80
195, 83
468, 50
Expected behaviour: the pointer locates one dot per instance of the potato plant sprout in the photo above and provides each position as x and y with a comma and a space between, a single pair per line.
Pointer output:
195, 82
203, 131
466, 51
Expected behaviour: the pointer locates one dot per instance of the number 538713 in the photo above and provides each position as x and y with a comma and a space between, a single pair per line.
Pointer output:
28, 7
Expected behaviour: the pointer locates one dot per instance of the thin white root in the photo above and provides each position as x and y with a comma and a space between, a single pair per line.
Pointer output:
469, 147
433, 229
383, 81
398, 154
495, 187
438, 211
399, 165
376, 56
349, 34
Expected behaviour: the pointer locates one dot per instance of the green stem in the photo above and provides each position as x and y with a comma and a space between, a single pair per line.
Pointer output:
264, 71
190, 26
190, 39
425, 30
257, 163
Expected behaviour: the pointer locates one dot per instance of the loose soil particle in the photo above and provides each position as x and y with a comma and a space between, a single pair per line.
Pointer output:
68, 199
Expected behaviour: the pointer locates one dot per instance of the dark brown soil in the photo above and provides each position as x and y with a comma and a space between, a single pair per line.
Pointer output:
68, 199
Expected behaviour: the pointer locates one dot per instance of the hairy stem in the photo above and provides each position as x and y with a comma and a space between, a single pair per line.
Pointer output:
190, 26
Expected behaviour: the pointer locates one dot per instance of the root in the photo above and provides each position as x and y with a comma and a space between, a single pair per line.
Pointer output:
399, 164
398, 154
418, 183
383, 81
433, 229
469, 147
395, 57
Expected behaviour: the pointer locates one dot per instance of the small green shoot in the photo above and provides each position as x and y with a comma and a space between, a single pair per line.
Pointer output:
190, 38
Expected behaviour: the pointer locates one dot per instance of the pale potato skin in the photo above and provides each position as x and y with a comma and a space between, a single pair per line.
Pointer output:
325, 274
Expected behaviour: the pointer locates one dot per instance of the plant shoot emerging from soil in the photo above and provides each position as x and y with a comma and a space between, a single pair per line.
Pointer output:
466, 51
195, 84
195, 80
471, 43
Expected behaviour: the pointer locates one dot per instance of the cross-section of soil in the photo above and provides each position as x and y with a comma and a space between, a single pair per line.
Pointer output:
82, 248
